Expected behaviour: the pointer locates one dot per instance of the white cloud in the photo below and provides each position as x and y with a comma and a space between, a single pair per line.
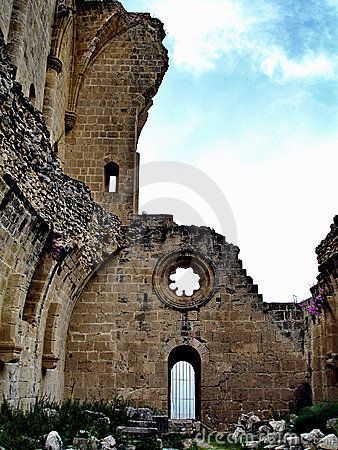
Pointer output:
309, 66
283, 206
203, 32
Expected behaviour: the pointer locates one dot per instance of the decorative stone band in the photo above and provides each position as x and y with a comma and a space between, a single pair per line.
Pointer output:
10, 352
70, 120
331, 360
200, 264
49, 361
54, 63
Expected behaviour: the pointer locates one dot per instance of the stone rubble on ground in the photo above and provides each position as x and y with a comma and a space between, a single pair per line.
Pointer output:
53, 441
252, 432
311, 438
332, 423
329, 442
108, 443
277, 425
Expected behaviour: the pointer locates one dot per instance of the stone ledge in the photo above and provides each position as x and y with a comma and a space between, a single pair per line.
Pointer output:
10, 352
49, 361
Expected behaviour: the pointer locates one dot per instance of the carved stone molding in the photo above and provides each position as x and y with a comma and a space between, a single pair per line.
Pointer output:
10, 352
70, 120
54, 63
49, 361
332, 360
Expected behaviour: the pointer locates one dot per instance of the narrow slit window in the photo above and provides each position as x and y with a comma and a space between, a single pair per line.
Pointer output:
111, 175
32, 95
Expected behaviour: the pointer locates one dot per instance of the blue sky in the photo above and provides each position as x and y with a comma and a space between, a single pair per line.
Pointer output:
251, 99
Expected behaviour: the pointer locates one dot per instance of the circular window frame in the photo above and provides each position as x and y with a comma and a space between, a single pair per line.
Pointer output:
168, 264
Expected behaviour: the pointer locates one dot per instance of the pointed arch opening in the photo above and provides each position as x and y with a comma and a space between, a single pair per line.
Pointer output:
184, 365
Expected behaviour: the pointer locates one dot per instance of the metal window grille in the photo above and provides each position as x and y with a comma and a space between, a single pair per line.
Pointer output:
182, 396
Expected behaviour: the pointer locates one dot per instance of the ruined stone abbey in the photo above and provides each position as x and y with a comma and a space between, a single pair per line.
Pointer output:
86, 299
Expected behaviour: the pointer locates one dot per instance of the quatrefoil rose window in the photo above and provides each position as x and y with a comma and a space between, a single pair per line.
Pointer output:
184, 280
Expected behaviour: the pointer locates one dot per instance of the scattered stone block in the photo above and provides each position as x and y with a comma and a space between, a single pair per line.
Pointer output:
311, 438
277, 425
108, 443
332, 423
292, 440
86, 443
53, 441
329, 442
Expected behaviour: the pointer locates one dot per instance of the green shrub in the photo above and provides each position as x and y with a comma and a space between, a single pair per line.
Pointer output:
28, 429
315, 416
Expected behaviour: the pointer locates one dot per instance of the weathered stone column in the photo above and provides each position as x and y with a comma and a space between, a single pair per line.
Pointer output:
17, 30
10, 348
54, 67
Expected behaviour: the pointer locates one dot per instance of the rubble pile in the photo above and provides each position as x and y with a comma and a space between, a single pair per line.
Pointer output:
252, 433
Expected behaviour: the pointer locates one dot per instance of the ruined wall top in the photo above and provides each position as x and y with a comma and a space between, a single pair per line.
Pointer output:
29, 164
329, 246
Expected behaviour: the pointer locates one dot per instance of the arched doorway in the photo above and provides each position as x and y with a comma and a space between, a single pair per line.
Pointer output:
184, 364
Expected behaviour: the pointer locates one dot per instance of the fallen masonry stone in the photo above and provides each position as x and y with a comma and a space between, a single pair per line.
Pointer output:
264, 429
137, 431
277, 425
271, 438
311, 438
329, 442
252, 423
140, 413
53, 441
332, 423
246, 420
292, 440
108, 443
143, 423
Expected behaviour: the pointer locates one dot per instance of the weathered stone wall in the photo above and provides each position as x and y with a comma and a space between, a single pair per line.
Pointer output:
121, 333
53, 236
322, 342
27, 27
5, 16
36, 46
120, 63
